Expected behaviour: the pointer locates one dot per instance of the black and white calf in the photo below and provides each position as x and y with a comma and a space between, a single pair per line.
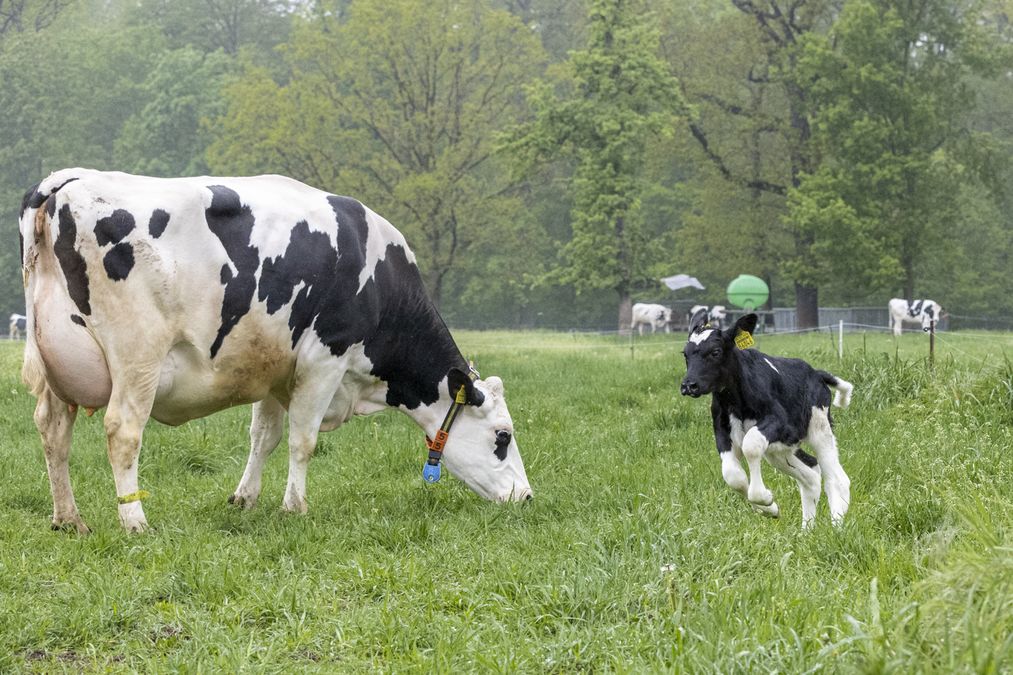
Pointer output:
925, 312
764, 407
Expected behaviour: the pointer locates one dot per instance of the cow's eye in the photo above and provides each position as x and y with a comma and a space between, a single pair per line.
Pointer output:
502, 437
716, 352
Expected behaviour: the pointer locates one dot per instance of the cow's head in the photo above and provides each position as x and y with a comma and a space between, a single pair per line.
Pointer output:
710, 356
481, 449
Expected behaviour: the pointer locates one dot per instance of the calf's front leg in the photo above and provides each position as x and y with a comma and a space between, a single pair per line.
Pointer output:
754, 446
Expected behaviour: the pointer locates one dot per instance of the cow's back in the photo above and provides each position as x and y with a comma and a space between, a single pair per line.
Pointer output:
220, 279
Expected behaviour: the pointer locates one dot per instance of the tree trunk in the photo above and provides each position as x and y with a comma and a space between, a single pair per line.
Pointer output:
807, 309
625, 311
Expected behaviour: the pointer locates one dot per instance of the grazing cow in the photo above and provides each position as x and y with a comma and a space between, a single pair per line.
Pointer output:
702, 314
763, 407
19, 323
175, 298
925, 312
655, 316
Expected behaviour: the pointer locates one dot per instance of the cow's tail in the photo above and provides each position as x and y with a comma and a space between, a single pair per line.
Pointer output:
842, 388
33, 228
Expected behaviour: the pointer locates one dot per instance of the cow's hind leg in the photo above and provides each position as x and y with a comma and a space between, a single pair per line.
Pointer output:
55, 422
806, 472
128, 411
265, 433
835, 482
754, 446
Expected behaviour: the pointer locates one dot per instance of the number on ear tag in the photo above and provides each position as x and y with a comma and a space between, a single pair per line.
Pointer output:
744, 340
431, 473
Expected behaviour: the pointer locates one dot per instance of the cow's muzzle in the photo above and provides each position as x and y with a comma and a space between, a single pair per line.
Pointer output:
690, 388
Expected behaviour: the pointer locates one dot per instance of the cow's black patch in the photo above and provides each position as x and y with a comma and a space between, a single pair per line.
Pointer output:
113, 228
501, 449
77, 319
158, 222
32, 194
232, 222
119, 261
311, 262
226, 274
71, 262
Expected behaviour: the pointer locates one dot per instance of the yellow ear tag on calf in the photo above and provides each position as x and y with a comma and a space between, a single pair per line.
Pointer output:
461, 397
744, 340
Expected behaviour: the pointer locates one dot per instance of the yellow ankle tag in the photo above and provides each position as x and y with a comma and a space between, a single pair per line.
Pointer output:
133, 497
744, 340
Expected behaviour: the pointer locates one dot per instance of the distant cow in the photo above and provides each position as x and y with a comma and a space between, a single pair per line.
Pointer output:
764, 407
655, 316
177, 297
702, 314
19, 323
925, 312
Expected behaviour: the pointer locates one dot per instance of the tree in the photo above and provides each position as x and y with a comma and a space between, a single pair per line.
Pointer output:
399, 106
887, 92
617, 95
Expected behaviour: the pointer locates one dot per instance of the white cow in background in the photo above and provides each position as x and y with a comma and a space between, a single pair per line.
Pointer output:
19, 322
656, 316
925, 312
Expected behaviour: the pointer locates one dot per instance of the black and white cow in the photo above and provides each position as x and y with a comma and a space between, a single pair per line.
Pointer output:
764, 407
924, 312
703, 314
655, 316
18, 325
175, 298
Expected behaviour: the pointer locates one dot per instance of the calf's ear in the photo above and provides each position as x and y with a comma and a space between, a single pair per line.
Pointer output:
457, 378
745, 324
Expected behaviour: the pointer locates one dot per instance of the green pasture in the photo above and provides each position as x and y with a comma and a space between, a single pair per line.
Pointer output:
633, 557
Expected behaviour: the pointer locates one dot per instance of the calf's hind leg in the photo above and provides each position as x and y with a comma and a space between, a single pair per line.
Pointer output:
55, 422
807, 477
835, 482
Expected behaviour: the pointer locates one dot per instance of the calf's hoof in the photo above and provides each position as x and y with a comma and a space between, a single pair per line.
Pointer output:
769, 510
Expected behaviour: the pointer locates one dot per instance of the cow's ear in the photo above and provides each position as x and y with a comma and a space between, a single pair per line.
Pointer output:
457, 378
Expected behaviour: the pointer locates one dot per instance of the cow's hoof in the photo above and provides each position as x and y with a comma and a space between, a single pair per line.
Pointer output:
135, 526
294, 505
241, 502
70, 525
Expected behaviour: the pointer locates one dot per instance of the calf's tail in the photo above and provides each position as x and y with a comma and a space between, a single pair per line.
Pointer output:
842, 388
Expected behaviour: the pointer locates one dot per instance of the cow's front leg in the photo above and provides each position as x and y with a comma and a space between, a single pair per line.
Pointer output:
305, 413
55, 422
754, 445
265, 434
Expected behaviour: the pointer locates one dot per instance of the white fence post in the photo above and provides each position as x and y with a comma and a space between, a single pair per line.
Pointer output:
840, 339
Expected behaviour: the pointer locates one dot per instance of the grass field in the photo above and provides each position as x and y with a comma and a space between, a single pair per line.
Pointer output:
633, 557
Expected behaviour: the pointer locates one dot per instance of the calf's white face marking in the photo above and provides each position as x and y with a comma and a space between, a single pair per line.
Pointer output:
697, 338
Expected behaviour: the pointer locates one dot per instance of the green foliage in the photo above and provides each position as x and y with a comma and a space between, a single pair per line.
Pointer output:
614, 97
887, 88
398, 106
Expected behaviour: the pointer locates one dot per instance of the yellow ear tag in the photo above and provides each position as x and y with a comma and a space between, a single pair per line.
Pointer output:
744, 340
461, 398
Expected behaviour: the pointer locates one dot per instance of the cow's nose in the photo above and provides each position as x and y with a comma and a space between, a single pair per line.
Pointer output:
689, 388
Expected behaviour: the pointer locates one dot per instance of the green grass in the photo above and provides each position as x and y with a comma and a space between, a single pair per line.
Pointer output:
634, 556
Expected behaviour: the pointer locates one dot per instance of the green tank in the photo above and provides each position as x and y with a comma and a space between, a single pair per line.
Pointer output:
747, 291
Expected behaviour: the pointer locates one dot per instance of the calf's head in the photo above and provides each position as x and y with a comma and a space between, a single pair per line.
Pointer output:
481, 449
710, 355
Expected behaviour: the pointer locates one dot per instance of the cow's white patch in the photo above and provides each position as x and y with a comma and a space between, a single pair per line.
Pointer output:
697, 338
772, 366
